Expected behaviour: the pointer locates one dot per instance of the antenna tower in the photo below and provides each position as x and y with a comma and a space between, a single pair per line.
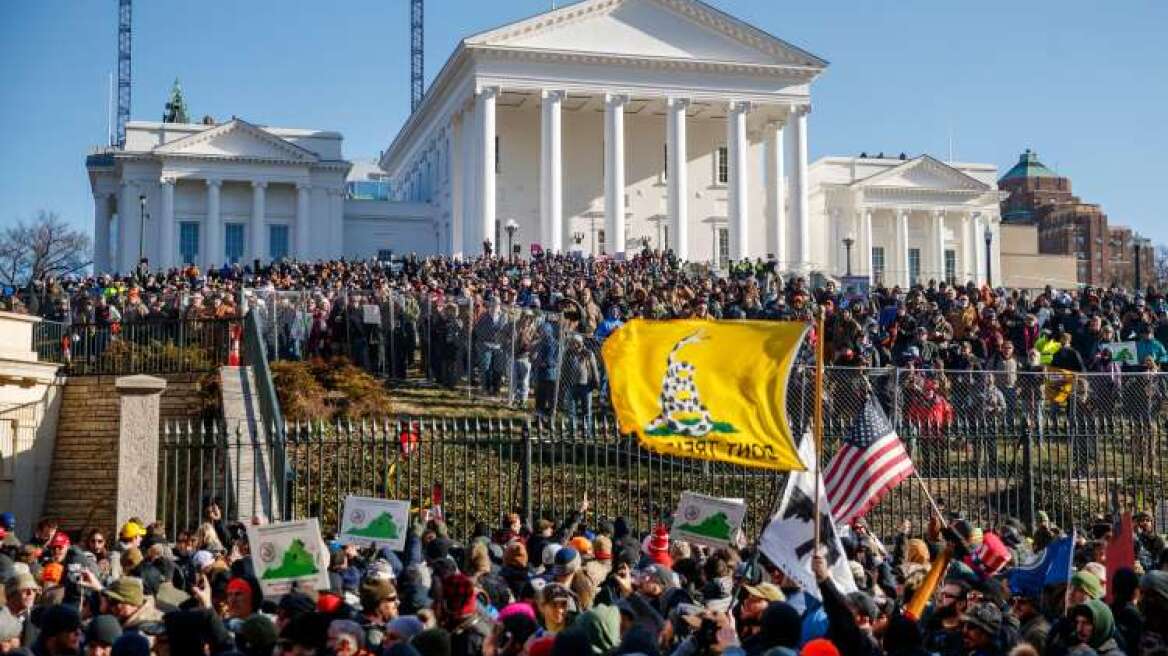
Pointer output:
124, 13
416, 54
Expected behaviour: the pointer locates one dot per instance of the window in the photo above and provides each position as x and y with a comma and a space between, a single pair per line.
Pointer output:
498, 155
665, 158
914, 265
600, 242
188, 241
951, 266
278, 242
233, 242
878, 264
723, 248
722, 165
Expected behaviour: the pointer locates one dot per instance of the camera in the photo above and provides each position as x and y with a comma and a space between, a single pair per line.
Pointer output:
73, 572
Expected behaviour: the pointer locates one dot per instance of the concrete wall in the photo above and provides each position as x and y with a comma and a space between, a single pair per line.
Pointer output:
1023, 266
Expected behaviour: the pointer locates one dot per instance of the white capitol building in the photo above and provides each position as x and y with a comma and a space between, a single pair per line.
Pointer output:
598, 127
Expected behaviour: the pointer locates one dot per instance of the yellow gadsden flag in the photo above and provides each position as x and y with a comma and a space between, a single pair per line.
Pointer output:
705, 389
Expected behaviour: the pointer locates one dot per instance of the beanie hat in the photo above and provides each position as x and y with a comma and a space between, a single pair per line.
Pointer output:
1088, 583
58, 619
567, 562
51, 573
202, 560
374, 591
405, 626
602, 548
1098, 570
819, 647
582, 545
329, 603
458, 595
656, 546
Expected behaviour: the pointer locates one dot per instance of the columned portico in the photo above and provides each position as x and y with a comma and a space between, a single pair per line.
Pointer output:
166, 247
614, 172
738, 177
258, 209
551, 173
213, 254
676, 164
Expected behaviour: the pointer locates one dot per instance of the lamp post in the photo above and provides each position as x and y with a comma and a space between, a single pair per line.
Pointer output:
511, 227
141, 226
989, 240
848, 241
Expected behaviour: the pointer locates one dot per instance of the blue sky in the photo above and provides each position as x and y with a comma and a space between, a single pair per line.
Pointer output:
1083, 82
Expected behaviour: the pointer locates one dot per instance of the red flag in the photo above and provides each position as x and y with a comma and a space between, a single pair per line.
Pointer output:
1121, 550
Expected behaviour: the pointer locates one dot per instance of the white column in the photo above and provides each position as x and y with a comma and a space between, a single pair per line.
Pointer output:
166, 226
213, 226
303, 229
901, 217
467, 235
776, 213
977, 239
614, 172
258, 246
128, 215
485, 108
337, 221
739, 214
866, 238
967, 261
457, 196
800, 207
101, 233
677, 181
939, 242
551, 173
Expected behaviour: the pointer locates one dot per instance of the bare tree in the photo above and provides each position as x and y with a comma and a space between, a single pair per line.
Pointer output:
1160, 264
43, 248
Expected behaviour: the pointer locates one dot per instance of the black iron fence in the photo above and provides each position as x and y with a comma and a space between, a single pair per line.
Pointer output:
986, 468
150, 346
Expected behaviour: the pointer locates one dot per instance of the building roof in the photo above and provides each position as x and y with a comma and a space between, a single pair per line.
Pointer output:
1028, 166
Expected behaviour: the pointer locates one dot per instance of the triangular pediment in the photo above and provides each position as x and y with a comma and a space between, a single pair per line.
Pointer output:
925, 173
238, 139
674, 29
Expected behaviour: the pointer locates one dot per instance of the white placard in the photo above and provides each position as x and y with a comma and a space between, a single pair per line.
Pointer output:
1122, 352
371, 314
289, 553
706, 520
380, 522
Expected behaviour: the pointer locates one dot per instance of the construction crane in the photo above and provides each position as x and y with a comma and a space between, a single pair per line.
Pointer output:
124, 13
416, 55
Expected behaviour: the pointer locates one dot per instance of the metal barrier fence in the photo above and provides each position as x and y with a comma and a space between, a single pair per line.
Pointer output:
988, 468
156, 347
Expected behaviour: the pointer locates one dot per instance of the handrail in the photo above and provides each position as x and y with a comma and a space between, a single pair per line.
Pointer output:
255, 355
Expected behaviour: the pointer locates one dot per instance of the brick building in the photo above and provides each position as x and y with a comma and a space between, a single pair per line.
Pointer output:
1104, 254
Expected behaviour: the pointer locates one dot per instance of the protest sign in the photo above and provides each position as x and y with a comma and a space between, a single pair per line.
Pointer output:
1122, 352
287, 555
706, 520
371, 314
380, 522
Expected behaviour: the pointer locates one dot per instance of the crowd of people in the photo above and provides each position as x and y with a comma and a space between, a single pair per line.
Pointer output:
585, 586
533, 327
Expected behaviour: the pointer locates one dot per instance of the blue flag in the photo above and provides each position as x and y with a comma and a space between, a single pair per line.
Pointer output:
1050, 567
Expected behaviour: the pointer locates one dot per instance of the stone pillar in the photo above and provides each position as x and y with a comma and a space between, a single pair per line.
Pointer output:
901, 217
101, 232
614, 172
166, 226
303, 229
978, 249
337, 221
485, 108
677, 182
258, 245
213, 254
129, 210
137, 456
471, 242
866, 239
967, 263
739, 211
776, 212
551, 174
800, 207
939, 242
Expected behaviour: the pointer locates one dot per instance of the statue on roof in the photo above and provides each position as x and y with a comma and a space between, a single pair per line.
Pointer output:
176, 107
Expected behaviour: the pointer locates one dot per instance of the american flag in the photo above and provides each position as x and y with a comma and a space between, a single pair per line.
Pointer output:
870, 462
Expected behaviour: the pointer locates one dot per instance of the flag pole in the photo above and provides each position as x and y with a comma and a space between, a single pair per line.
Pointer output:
819, 340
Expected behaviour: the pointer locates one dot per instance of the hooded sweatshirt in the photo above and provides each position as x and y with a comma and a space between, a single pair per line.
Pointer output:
1103, 637
602, 627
